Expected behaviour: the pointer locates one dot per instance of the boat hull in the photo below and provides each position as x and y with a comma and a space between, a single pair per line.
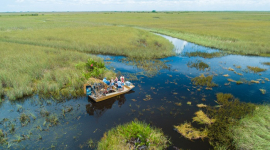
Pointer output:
102, 98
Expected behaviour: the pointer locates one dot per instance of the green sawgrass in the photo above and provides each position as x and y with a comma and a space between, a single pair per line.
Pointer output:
27, 69
113, 40
253, 131
123, 136
238, 32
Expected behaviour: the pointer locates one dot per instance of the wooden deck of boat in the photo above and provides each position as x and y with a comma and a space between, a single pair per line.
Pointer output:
110, 95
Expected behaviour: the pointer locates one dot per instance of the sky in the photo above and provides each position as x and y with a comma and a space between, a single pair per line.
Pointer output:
134, 5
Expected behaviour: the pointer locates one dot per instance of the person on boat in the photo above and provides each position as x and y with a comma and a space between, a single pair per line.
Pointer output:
112, 82
115, 80
88, 91
119, 85
122, 79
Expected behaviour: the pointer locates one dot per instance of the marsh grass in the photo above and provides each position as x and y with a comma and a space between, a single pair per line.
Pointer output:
198, 64
203, 81
3, 139
253, 132
229, 113
231, 31
27, 69
190, 132
256, 69
204, 54
127, 41
133, 135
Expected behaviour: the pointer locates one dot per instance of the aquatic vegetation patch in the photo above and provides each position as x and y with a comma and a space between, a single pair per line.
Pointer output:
44, 113
24, 119
230, 69
202, 118
204, 54
254, 81
198, 64
266, 63
190, 132
239, 82
150, 66
203, 81
134, 135
252, 131
201, 105
3, 138
53, 119
229, 112
263, 91
256, 69
178, 104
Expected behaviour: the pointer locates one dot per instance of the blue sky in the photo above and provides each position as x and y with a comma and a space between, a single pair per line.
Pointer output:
134, 5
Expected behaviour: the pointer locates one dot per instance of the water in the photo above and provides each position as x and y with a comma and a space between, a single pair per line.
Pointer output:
90, 120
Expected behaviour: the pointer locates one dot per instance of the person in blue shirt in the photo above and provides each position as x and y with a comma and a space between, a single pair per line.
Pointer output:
119, 85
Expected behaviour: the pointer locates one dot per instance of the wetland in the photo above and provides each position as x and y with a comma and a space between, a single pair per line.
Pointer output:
164, 97
190, 96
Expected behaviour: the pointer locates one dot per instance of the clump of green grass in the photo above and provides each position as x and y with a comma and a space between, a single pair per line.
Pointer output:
256, 69
190, 132
24, 119
266, 63
203, 81
198, 64
46, 71
204, 54
3, 140
133, 135
253, 132
231, 110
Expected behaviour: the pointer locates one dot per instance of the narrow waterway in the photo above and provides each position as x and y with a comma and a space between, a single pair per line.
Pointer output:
165, 85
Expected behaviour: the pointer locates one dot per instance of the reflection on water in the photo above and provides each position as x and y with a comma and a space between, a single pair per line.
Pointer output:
98, 109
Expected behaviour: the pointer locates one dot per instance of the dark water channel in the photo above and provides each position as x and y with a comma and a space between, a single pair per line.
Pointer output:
90, 120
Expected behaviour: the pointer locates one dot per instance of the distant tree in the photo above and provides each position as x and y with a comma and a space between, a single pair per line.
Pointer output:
153, 11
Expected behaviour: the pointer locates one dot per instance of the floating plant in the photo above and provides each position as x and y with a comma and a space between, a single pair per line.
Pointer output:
201, 105
263, 91
189, 132
203, 81
256, 69
202, 118
198, 64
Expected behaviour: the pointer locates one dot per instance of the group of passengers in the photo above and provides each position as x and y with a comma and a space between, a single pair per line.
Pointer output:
115, 82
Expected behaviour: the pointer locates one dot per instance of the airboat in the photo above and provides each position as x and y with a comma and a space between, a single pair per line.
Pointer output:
101, 91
